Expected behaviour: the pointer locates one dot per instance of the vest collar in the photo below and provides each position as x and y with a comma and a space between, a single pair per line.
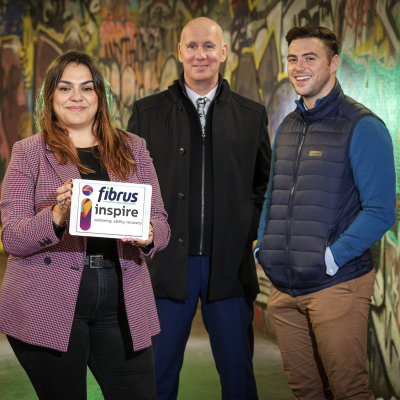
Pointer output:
302, 106
324, 107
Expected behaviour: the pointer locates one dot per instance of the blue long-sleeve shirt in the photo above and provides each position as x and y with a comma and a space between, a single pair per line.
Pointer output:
372, 163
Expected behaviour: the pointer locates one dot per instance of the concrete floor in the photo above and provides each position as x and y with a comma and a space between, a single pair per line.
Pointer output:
199, 378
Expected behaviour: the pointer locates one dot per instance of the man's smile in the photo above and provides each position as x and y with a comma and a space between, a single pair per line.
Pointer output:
302, 78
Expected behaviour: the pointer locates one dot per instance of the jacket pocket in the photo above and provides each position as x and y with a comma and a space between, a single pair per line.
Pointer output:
327, 240
352, 284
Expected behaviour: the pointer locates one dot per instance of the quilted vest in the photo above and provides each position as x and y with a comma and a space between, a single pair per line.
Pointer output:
314, 197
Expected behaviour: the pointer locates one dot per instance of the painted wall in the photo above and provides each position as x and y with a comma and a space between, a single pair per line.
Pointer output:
136, 43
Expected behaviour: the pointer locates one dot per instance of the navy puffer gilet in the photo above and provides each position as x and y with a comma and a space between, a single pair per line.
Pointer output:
314, 197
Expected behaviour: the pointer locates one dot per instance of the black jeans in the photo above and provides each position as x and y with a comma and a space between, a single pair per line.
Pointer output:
100, 338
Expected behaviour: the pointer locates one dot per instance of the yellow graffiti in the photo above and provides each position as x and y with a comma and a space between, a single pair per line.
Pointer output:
27, 50
252, 4
182, 11
376, 44
92, 37
6, 38
231, 68
231, 9
25, 125
29, 37
2, 251
258, 55
60, 37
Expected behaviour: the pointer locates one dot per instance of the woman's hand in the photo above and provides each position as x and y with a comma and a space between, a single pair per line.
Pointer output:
139, 242
62, 210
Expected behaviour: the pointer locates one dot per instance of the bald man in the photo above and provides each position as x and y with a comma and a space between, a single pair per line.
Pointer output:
211, 152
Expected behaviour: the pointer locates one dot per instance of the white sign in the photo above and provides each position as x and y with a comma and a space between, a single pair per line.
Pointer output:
110, 209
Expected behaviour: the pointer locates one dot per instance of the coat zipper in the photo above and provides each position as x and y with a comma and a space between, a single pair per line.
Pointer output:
203, 173
203, 178
288, 271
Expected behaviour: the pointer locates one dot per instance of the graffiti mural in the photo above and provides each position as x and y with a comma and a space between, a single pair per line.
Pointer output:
136, 43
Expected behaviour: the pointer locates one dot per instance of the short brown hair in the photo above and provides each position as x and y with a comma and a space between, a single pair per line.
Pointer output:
115, 156
330, 40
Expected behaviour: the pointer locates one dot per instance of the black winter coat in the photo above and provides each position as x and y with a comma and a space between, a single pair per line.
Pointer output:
241, 153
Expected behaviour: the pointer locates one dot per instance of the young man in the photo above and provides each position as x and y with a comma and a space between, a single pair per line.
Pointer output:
331, 195
211, 151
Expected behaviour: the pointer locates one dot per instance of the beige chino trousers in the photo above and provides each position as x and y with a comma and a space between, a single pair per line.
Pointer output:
322, 337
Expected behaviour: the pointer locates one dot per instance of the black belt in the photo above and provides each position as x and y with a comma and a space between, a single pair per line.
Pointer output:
100, 261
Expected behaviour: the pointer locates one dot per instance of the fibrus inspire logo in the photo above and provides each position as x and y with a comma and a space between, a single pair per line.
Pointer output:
86, 209
122, 205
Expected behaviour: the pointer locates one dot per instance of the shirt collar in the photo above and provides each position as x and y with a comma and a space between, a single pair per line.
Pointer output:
194, 96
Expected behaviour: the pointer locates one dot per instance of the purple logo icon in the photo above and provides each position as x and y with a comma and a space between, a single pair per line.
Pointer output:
86, 214
87, 190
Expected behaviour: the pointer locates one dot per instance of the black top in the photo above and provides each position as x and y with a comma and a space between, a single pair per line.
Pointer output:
196, 174
96, 245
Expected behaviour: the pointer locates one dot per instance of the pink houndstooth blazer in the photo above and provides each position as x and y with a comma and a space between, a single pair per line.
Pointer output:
38, 297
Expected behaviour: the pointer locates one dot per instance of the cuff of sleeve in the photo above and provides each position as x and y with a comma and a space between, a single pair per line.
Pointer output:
54, 238
161, 236
150, 249
340, 253
23, 239
146, 250
331, 266
256, 253
59, 230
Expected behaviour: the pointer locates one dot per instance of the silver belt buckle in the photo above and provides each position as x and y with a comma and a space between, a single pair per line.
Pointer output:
93, 257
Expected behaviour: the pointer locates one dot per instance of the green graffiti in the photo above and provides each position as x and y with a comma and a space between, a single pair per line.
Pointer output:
379, 90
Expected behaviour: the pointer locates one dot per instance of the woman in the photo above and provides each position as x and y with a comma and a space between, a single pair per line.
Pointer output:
63, 310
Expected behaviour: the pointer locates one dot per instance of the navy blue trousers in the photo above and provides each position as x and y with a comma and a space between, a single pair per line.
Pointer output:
229, 324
